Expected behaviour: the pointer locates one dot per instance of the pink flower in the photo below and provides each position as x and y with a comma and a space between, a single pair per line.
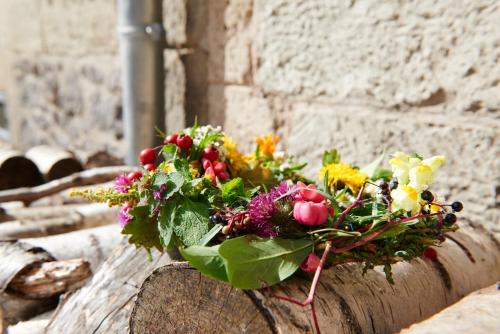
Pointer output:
309, 195
310, 213
310, 263
122, 183
124, 217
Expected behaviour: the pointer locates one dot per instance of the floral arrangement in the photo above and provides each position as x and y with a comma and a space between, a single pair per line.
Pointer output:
253, 220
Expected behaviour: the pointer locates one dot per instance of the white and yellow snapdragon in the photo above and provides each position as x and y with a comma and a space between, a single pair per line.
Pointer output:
414, 175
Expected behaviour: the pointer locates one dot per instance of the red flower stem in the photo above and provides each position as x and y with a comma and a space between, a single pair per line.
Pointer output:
315, 318
355, 204
378, 232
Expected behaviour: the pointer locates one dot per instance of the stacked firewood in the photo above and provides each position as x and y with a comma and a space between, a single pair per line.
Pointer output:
50, 244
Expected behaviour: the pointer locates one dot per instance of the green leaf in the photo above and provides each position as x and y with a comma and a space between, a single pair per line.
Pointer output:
210, 235
173, 181
166, 221
169, 152
382, 173
372, 167
142, 229
182, 166
207, 260
232, 190
392, 231
253, 262
191, 222
330, 157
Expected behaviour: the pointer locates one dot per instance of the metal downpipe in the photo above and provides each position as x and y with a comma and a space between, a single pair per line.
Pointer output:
142, 40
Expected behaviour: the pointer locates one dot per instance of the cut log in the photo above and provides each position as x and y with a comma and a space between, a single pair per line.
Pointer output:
476, 313
104, 304
39, 212
54, 163
92, 215
17, 257
48, 279
88, 177
179, 299
35, 325
93, 245
17, 171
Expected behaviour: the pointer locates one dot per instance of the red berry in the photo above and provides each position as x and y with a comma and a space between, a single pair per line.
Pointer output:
184, 142
310, 264
223, 176
209, 172
150, 167
219, 167
210, 153
147, 156
132, 176
172, 139
430, 253
206, 163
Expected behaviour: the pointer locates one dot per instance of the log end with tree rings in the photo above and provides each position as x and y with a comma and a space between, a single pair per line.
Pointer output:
53, 162
17, 171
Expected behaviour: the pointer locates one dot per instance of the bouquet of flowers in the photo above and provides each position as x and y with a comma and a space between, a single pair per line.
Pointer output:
254, 220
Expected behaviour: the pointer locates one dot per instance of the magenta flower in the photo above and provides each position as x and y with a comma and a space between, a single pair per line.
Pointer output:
261, 210
124, 217
122, 183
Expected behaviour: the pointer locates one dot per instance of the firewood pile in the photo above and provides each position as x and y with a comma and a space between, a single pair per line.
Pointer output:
50, 244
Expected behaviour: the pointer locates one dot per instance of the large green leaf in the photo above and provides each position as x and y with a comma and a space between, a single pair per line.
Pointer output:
254, 262
207, 260
142, 229
166, 221
191, 221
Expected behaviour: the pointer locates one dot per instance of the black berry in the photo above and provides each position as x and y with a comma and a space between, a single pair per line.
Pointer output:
457, 206
427, 196
384, 185
393, 184
450, 218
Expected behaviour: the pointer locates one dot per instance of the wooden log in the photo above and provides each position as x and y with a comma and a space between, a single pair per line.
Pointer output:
47, 279
35, 325
36, 212
88, 216
17, 170
16, 257
54, 163
476, 313
104, 304
179, 299
93, 245
88, 177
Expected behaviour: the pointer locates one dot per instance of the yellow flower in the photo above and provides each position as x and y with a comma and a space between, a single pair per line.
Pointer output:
413, 171
235, 158
267, 144
167, 167
345, 174
420, 177
406, 198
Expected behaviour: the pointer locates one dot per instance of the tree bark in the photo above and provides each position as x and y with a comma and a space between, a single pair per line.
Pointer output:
476, 313
179, 299
85, 217
88, 177
93, 245
104, 304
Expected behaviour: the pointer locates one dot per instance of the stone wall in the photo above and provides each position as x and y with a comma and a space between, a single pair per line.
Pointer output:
59, 70
361, 76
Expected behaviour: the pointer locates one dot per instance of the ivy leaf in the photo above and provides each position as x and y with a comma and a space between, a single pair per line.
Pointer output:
330, 157
142, 229
252, 262
173, 181
232, 190
191, 221
166, 221
207, 260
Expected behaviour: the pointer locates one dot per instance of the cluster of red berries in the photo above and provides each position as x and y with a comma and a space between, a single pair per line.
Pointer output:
213, 169
183, 141
147, 157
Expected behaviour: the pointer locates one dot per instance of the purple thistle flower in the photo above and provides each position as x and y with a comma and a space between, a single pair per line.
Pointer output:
124, 217
262, 208
122, 183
